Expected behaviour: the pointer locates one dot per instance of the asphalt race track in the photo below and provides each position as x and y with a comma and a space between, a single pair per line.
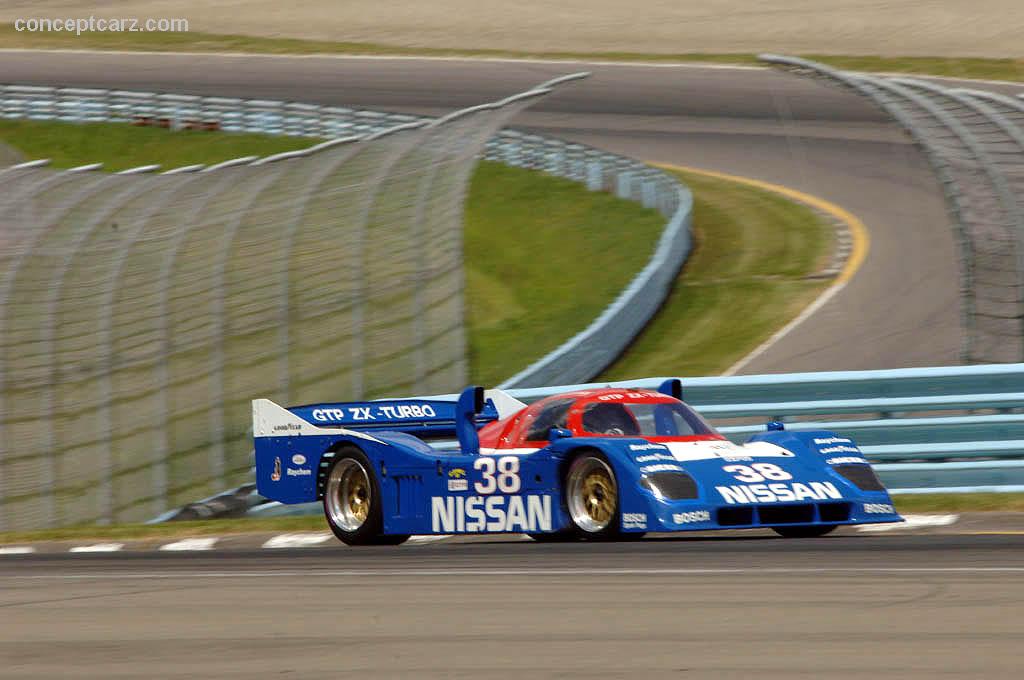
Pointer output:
900, 310
847, 606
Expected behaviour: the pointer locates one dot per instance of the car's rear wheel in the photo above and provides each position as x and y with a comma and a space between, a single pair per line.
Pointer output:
352, 501
805, 532
592, 497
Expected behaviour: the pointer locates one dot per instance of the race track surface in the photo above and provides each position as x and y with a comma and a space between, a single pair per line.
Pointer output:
730, 607
901, 309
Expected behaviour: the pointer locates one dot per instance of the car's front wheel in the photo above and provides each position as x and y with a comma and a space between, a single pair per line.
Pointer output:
352, 501
805, 532
592, 497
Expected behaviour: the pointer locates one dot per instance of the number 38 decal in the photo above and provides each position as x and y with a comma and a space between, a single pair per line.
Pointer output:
757, 472
499, 474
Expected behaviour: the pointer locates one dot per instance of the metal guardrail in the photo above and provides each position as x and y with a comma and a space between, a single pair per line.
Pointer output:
581, 357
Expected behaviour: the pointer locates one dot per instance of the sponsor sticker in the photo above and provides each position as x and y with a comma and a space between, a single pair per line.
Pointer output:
778, 493
646, 447
275, 476
879, 509
833, 440
846, 460
841, 448
299, 472
287, 427
471, 514
298, 459
458, 485
634, 520
691, 517
648, 457
457, 473
661, 467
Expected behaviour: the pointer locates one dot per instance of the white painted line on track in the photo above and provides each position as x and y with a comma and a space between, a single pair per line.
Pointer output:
97, 547
16, 549
531, 572
429, 538
186, 544
296, 540
912, 522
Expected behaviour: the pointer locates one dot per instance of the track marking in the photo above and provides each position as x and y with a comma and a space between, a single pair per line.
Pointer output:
912, 522
861, 244
202, 543
97, 547
420, 573
296, 540
16, 550
428, 538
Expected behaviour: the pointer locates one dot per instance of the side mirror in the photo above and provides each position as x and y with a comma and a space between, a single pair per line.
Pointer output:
557, 433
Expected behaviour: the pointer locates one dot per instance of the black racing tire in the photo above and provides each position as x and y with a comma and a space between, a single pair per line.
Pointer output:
352, 500
805, 531
592, 497
390, 539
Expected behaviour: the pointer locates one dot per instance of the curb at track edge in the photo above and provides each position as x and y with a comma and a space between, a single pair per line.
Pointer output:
861, 244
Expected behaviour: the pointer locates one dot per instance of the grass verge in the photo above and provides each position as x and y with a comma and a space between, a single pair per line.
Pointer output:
544, 257
960, 502
120, 146
745, 279
998, 69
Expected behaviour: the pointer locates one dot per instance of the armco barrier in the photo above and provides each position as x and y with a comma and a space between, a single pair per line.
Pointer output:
581, 357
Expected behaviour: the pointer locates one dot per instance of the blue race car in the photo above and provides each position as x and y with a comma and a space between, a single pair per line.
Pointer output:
598, 464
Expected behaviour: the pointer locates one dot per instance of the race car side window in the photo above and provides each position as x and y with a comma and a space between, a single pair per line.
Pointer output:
604, 418
554, 414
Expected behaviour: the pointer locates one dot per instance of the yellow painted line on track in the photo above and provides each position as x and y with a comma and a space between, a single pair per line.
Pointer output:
859, 247
861, 239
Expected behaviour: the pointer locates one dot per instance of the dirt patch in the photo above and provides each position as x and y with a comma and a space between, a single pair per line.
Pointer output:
985, 28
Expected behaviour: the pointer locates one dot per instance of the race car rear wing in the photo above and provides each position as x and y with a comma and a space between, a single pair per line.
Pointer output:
427, 418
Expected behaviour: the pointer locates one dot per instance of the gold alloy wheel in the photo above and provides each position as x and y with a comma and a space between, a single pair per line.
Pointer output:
349, 495
592, 494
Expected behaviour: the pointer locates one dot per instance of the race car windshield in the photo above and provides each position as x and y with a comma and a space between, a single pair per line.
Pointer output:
670, 419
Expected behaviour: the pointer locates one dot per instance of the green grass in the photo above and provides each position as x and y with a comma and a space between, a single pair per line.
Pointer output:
120, 146
745, 279
999, 69
960, 502
543, 258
